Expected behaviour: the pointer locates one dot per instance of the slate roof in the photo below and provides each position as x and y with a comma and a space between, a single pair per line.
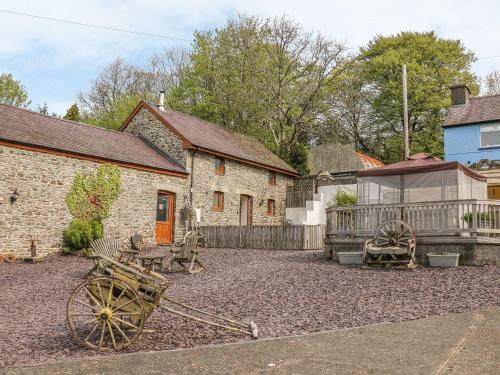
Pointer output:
20, 126
210, 137
479, 109
368, 161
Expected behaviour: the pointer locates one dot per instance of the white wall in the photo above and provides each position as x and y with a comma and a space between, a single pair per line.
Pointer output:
314, 212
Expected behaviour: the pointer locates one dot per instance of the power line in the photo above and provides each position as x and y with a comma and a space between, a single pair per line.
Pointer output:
94, 26
488, 57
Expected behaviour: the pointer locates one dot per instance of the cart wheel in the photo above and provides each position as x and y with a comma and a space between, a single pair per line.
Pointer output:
105, 313
10, 258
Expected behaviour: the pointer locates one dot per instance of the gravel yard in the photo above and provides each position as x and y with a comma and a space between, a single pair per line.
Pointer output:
284, 292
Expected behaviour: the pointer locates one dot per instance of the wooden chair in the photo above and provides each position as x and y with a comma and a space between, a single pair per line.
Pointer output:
393, 243
186, 255
109, 247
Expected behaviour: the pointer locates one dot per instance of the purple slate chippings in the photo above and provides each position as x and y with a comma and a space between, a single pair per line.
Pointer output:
284, 292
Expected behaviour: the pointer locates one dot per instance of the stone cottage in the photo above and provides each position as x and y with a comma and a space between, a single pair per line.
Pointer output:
236, 180
233, 178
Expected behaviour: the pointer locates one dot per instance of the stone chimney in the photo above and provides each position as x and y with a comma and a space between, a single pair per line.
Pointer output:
459, 94
161, 104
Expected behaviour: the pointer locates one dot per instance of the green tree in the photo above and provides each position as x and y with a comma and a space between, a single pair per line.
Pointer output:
264, 77
116, 115
13, 92
492, 83
120, 86
433, 65
73, 113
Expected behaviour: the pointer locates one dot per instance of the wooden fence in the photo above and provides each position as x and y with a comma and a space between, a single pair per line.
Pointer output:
271, 237
300, 192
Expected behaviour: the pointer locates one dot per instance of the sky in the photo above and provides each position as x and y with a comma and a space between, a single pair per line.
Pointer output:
56, 61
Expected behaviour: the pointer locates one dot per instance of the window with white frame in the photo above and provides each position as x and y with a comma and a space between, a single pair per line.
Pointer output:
490, 135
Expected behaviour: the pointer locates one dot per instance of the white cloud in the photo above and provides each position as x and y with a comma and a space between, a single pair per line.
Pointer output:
37, 49
476, 23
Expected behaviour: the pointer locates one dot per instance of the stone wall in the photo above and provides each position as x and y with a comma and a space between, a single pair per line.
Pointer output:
40, 211
146, 125
473, 251
238, 179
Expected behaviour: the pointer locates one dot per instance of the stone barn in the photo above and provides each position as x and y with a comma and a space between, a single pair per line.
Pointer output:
167, 160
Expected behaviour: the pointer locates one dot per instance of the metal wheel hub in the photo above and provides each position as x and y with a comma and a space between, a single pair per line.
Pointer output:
105, 315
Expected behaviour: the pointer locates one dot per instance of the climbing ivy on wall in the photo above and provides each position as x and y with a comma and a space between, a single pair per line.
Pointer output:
89, 200
91, 197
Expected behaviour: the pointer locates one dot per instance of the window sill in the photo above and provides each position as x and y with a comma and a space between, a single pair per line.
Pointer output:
489, 147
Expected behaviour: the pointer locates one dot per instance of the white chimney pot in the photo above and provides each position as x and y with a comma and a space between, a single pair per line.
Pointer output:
161, 106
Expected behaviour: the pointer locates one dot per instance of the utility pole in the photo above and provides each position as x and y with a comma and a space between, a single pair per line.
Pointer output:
405, 114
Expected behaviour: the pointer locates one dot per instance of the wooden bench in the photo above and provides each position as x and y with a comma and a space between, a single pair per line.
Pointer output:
393, 243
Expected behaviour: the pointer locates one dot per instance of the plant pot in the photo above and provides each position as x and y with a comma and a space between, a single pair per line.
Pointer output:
351, 257
443, 260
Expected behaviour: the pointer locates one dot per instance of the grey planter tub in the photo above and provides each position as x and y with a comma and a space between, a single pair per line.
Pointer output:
443, 260
351, 257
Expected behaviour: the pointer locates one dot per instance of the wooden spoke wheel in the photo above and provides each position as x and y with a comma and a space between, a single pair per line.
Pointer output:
394, 233
105, 313
10, 258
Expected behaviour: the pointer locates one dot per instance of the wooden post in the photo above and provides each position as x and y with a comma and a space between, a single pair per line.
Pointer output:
405, 114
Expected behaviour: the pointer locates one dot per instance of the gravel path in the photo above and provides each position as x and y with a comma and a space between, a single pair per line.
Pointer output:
284, 292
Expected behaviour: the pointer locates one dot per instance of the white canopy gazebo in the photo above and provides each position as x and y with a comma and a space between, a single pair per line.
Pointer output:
420, 178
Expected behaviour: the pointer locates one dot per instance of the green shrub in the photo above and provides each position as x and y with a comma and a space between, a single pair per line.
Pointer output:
343, 198
481, 216
80, 233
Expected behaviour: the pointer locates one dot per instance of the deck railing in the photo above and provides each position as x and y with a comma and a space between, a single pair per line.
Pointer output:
445, 218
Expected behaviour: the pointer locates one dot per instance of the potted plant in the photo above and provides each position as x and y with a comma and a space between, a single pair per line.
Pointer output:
443, 259
484, 219
348, 217
350, 257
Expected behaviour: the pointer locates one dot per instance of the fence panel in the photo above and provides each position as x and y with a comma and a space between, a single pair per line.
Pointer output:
271, 237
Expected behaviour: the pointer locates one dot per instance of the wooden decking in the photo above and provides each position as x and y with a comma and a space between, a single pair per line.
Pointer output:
446, 218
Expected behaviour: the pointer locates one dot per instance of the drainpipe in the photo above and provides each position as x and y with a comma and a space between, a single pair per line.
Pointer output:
191, 178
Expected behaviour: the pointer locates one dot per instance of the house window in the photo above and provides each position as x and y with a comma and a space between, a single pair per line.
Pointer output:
218, 203
220, 166
272, 178
490, 135
271, 207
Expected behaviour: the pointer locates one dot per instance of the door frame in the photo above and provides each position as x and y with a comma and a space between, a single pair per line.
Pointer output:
171, 213
249, 208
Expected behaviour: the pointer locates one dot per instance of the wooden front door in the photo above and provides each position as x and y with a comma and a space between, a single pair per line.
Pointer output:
165, 218
246, 208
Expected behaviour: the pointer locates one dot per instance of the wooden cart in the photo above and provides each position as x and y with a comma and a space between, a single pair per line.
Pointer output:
108, 310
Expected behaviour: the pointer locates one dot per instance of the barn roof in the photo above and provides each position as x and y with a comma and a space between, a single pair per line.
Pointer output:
208, 137
23, 128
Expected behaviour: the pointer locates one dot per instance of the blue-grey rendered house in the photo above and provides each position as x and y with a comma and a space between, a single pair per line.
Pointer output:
472, 127
472, 134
